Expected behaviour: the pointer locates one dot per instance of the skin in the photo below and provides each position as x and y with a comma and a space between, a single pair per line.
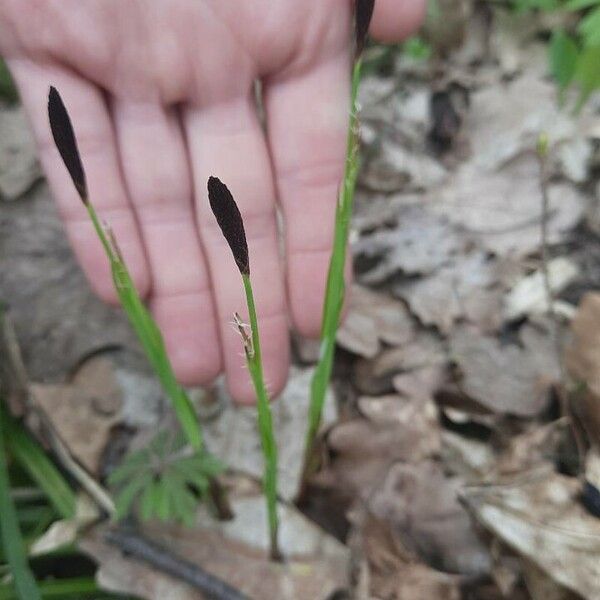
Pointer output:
161, 96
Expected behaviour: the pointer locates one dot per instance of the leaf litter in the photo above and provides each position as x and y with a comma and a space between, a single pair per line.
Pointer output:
444, 432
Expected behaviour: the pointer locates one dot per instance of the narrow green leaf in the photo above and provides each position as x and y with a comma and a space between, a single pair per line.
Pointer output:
580, 4
148, 502
589, 28
128, 494
12, 542
40, 468
587, 73
563, 54
59, 589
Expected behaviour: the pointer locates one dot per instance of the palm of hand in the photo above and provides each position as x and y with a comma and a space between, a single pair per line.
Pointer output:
161, 95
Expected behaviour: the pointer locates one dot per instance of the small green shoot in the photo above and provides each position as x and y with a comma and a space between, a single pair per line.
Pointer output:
335, 290
230, 221
12, 542
164, 480
139, 317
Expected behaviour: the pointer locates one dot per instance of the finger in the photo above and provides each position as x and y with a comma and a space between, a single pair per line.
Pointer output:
157, 175
307, 119
227, 141
395, 20
96, 143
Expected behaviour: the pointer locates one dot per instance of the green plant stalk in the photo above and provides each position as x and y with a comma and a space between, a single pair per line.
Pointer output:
149, 336
265, 422
335, 290
12, 541
61, 589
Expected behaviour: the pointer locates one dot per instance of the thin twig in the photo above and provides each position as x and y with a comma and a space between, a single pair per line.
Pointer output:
141, 548
542, 153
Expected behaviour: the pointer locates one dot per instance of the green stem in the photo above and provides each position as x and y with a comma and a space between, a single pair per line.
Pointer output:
265, 422
12, 542
335, 291
149, 336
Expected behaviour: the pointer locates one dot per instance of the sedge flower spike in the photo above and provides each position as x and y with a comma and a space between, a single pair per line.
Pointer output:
64, 138
230, 221
363, 12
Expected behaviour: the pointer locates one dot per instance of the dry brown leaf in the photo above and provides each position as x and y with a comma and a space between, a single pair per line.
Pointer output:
582, 358
541, 586
421, 242
465, 288
583, 353
395, 574
502, 209
83, 412
374, 318
540, 517
397, 168
420, 505
425, 353
507, 378
529, 295
364, 448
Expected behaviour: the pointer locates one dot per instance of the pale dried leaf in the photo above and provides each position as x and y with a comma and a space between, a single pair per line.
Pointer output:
83, 412
465, 288
373, 318
529, 295
420, 243
364, 448
539, 516
502, 209
421, 506
506, 378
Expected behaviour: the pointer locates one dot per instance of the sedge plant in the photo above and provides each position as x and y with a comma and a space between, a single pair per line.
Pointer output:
142, 322
230, 221
335, 290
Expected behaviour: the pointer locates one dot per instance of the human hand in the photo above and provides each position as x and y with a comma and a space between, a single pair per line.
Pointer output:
161, 97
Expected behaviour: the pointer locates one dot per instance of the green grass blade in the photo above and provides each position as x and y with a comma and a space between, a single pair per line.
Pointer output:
335, 290
59, 589
14, 549
39, 467
265, 422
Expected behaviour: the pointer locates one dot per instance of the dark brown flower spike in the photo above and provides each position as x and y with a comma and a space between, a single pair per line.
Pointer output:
230, 221
363, 13
64, 138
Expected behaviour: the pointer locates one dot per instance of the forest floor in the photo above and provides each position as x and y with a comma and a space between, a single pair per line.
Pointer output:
461, 449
